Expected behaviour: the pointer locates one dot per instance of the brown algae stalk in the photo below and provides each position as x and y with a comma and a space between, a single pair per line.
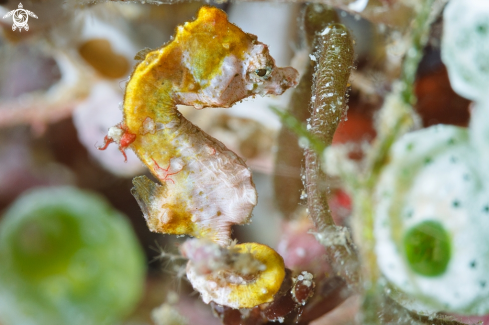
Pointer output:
334, 59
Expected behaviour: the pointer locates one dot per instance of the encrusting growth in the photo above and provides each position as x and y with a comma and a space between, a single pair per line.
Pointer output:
205, 188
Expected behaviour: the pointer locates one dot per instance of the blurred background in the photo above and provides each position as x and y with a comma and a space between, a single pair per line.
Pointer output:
62, 85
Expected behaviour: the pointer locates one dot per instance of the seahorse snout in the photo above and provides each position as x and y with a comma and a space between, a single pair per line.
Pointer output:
285, 78
279, 81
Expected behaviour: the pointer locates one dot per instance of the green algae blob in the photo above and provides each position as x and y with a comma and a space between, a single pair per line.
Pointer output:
427, 248
67, 257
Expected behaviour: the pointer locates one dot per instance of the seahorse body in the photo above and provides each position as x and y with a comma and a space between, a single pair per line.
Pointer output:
205, 187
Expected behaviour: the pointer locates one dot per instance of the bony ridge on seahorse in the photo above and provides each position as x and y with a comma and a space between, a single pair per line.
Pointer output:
205, 188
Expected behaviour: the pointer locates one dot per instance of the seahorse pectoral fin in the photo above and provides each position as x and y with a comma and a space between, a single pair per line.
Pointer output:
148, 194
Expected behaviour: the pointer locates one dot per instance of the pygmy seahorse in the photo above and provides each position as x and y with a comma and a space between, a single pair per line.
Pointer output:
205, 187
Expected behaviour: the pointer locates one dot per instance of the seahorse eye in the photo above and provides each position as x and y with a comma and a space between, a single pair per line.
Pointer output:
263, 73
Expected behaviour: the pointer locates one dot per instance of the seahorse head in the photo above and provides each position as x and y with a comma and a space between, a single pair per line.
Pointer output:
226, 64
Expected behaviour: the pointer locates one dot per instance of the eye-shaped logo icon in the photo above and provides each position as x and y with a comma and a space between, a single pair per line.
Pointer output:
20, 17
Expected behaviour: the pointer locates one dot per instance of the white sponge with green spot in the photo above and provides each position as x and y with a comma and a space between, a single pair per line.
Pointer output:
432, 223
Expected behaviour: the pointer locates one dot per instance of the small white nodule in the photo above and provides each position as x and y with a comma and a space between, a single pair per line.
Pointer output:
115, 133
